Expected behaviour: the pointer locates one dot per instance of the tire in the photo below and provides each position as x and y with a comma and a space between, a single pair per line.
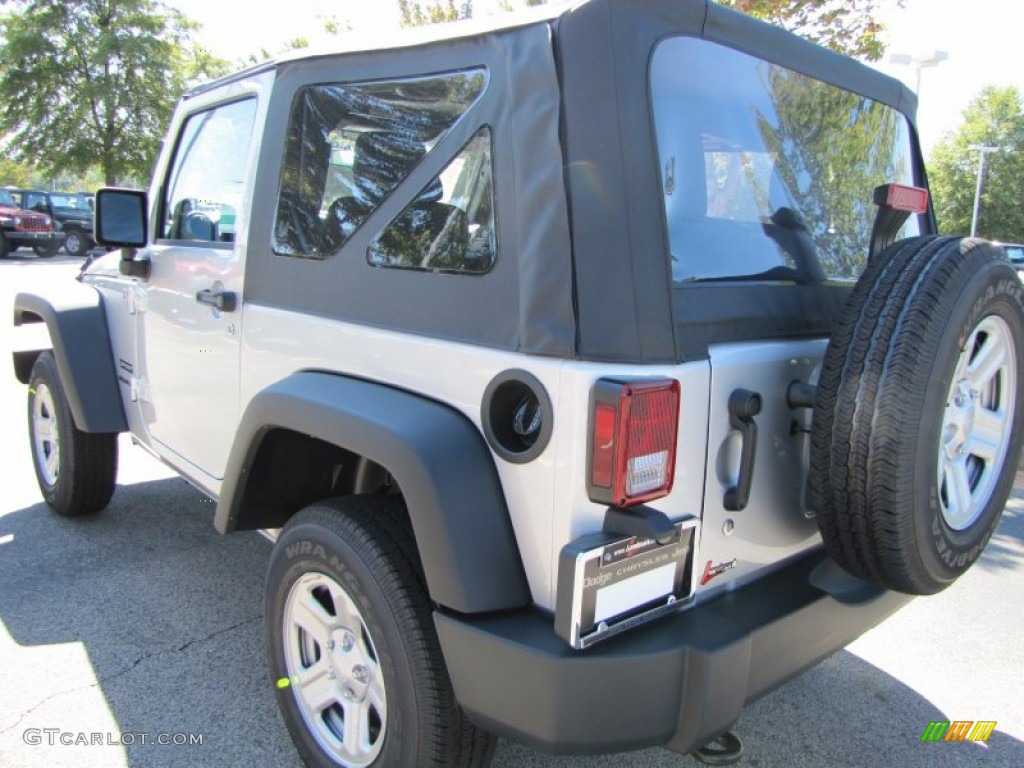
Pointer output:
919, 415
76, 471
5, 247
345, 584
76, 243
46, 251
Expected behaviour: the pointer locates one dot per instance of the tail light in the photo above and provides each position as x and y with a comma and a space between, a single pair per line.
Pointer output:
633, 431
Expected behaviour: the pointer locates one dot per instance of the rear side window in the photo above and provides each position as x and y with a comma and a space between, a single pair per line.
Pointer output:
449, 227
768, 174
348, 148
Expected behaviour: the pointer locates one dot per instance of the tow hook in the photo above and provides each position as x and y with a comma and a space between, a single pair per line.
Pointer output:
725, 749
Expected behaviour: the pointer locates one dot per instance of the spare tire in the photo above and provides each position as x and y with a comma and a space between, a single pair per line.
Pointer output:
919, 413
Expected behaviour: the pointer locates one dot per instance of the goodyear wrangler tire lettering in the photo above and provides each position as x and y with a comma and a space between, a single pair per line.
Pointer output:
350, 634
919, 416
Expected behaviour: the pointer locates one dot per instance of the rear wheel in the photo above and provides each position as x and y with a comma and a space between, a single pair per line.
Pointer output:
76, 243
5, 247
351, 643
76, 471
918, 421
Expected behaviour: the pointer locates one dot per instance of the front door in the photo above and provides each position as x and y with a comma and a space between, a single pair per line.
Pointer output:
191, 305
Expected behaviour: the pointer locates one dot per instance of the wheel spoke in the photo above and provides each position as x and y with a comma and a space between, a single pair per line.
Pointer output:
52, 465
987, 435
356, 738
958, 489
346, 614
988, 362
44, 430
311, 616
317, 690
375, 695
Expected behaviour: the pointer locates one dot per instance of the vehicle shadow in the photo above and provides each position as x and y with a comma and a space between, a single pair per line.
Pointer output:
169, 614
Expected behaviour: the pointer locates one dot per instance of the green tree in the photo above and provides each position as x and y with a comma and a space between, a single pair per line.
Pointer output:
995, 117
93, 82
848, 26
415, 13
14, 174
831, 149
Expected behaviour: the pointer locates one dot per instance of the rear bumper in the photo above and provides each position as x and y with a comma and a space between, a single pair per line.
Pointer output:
676, 682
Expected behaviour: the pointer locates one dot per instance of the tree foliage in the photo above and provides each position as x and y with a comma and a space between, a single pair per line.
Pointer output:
93, 82
415, 13
832, 148
847, 26
995, 118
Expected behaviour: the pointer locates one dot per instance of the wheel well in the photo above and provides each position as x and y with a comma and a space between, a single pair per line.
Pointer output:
292, 470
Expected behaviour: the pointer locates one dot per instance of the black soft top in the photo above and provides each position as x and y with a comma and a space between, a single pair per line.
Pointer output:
584, 271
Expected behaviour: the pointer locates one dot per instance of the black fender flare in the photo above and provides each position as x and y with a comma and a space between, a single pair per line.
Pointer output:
77, 323
435, 454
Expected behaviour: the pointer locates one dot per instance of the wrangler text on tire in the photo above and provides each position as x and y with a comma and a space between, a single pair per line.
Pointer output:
351, 643
918, 421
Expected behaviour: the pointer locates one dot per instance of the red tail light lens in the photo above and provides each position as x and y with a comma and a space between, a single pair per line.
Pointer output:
633, 431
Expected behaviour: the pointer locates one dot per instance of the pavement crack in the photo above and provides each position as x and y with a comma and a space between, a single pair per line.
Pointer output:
212, 635
127, 669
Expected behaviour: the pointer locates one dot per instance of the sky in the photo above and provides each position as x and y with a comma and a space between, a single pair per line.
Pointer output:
981, 37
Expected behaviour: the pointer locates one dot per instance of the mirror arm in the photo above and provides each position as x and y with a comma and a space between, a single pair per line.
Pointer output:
132, 267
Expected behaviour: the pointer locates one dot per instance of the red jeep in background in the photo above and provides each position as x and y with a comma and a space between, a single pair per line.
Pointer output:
20, 227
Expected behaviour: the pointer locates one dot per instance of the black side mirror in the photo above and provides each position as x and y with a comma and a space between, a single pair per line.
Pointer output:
120, 218
120, 221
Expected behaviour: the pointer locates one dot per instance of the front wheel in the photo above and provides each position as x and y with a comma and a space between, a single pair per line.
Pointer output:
352, 649
76, 470
47, 250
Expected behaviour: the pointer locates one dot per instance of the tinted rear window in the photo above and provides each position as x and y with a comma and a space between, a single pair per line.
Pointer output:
768, 174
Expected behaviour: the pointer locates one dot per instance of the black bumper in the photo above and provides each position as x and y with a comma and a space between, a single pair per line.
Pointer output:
676, 682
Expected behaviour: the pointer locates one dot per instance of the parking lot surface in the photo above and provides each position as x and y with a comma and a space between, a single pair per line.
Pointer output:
138, 632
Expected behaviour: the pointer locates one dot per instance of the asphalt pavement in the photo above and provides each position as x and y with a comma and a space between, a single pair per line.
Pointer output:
143, 625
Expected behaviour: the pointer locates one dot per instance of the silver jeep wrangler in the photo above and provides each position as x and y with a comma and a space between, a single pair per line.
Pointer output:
597, 374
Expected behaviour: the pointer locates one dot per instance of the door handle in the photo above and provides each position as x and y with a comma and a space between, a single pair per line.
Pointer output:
744, 405
225, 301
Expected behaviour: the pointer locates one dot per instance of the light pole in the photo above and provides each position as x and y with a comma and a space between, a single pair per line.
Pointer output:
918, 62
984, 149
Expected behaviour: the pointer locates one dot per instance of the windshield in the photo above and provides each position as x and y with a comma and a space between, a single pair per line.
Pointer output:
768, 174
78, 202
7, 199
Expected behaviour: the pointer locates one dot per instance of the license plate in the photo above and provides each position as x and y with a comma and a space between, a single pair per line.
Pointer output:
608, 584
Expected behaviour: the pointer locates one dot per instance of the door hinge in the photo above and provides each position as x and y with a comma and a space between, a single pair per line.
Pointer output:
135, 299
140, 389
